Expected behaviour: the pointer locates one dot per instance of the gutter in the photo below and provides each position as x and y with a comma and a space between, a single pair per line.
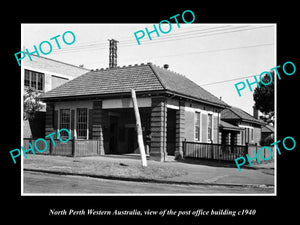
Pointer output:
128, 95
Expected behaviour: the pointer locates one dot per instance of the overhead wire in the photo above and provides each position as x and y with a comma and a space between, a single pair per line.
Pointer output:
225, 81
186, 35
93, 46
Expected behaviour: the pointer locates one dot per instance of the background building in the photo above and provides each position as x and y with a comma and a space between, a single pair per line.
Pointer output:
43, 74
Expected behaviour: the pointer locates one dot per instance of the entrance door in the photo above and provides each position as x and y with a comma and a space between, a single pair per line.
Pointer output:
113, 136
171, 131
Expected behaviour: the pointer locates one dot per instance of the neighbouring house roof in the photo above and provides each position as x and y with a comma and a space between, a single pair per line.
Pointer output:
237, 114
267, 129
142, 78
227, 126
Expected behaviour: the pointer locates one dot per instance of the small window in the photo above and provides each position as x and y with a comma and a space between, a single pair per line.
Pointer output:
197, 126
252, 134
247, 135
209, 127
81, 125
65, 121
27, 78
40, 81
34, 80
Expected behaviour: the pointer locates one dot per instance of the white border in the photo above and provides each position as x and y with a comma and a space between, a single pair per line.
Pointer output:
125, 194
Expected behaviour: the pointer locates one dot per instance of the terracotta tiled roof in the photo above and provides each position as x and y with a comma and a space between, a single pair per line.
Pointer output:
267, 129
234, 113
144, 77
227, 126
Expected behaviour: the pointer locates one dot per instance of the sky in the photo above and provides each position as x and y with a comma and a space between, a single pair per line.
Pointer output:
208, 54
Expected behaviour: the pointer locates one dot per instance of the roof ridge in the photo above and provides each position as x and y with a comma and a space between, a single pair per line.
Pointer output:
234, 112
157, 76
120, 67
252, 117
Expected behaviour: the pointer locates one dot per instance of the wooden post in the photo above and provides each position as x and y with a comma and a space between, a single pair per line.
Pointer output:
139, 128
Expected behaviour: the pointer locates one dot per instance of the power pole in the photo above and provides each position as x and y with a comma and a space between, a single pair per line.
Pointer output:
139, 129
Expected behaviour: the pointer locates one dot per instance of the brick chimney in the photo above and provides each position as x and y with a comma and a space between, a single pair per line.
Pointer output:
255, 112
113, 53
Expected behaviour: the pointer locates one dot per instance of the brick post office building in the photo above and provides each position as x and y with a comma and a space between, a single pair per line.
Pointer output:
98, 105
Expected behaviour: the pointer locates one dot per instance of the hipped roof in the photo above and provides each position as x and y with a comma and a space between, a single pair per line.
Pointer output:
142, 78
233, 113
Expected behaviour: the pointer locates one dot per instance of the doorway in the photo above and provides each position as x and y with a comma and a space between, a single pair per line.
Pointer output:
131, 140
113, 134
171, 131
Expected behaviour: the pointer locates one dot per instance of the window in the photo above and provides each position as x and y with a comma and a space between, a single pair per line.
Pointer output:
209, 127
40, 81
64, 121
34, 80
197, 126
27, 78
81, 125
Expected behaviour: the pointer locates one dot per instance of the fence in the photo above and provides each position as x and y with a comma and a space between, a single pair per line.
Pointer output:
213, 151
262, 153
74, 147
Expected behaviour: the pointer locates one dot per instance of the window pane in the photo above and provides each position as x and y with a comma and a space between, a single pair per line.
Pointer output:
27, 78
197, 126
209, 131
81, 125
33, 80
40, 81
197, 133
65, 118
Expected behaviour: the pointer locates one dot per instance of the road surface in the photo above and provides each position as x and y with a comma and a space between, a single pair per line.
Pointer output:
36, 182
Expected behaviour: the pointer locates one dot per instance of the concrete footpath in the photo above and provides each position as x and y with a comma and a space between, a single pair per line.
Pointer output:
129, 168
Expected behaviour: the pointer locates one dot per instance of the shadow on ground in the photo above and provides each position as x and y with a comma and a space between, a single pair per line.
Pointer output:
215, 163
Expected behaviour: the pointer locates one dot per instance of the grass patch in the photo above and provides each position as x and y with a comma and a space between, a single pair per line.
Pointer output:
103, 166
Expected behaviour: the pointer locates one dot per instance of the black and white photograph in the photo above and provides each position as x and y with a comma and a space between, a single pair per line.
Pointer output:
124, 113
200, 118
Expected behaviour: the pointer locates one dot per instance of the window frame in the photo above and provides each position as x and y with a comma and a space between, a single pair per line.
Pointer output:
209, 127
63, 123
197, 126
27, 82
80, 124
35, 81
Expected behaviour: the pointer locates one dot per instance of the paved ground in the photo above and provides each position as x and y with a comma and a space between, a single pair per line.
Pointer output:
192, 172
35, 182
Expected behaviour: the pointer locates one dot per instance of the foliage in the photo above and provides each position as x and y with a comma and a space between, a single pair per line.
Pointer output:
267, 141
31, 104
264, 98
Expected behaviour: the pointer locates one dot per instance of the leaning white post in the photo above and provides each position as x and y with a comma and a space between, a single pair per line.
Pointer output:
139, 128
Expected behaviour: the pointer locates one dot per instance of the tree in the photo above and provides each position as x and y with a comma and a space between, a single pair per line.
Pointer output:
31, 104
264, 98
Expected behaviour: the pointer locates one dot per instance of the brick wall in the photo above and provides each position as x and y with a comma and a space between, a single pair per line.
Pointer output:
180, 128
158, 128
189, 126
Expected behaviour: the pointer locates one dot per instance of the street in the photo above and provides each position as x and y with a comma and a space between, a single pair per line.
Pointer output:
36, 182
